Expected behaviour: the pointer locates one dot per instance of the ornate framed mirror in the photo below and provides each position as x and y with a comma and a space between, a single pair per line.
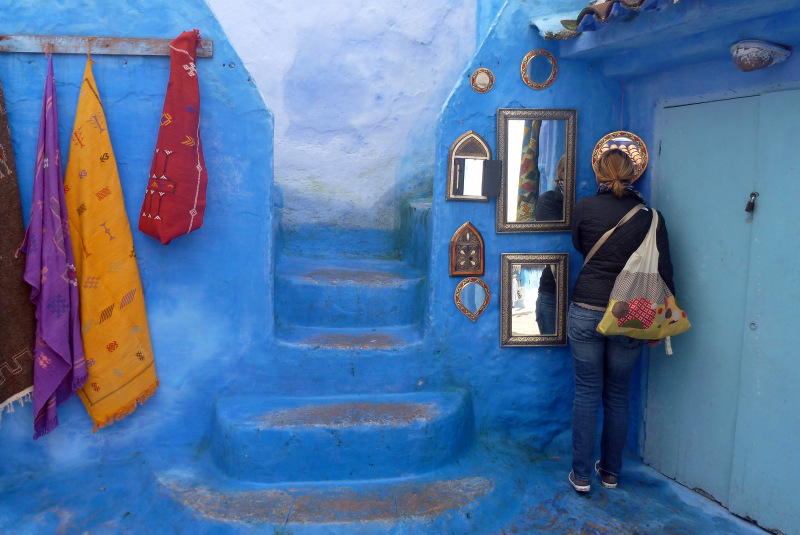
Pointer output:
627, 142
539, 69
537, 148
533, 299
465, 168
472, 297
466, 251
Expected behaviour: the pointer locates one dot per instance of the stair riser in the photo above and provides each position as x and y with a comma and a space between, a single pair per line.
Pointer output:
303, 302
278, 454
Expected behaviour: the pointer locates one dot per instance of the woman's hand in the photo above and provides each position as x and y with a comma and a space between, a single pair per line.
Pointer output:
653, 343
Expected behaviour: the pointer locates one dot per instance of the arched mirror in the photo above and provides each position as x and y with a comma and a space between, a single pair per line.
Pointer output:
537, 148
533, 299
539, 69
627, 142
466, 251
465, 168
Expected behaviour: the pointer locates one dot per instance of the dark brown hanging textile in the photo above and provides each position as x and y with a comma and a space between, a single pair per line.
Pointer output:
17, 322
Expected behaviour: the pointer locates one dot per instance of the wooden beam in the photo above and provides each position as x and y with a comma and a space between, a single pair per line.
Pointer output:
73, 44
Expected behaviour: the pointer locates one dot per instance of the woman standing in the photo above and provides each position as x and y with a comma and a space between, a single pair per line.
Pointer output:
603, 365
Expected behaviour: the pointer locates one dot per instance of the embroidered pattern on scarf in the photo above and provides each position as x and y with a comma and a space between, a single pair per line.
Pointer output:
116, 336
17, 320
59, 368
175, 198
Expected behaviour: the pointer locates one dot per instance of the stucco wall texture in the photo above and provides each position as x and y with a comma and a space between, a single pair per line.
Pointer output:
355, 88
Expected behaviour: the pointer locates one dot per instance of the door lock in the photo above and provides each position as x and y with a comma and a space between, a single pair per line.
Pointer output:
751, 204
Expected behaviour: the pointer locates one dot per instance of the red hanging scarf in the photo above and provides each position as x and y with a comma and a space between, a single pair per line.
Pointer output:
175, 198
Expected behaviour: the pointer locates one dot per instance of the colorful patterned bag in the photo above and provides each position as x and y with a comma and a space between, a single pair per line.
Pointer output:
641, 305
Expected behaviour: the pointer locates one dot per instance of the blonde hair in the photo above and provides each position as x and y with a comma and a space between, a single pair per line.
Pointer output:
561, 169
615, 169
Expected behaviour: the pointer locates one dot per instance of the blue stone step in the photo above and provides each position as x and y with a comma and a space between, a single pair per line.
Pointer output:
347, 292
326, 240
364, 507
260, 438
354, 339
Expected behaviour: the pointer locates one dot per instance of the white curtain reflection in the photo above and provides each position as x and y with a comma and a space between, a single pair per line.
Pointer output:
473, 177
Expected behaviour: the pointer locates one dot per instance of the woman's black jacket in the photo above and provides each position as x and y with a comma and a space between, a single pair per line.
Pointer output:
592, 217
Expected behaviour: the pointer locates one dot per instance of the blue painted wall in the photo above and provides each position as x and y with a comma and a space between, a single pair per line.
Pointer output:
208, 294
355, 88
524, 394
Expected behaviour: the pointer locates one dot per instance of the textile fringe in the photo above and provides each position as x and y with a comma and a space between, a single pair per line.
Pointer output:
127, 409
78, 382
49, 426
8, 405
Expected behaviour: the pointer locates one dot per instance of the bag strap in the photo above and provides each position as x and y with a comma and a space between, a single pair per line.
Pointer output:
610, 231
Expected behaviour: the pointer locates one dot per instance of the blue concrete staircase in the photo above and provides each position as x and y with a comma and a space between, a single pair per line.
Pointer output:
311, 442
355, 289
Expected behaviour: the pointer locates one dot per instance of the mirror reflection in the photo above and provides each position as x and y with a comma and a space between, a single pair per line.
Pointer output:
533, 308
472, 176
472, 296
538, 151
465, 168
539, 69
534, 173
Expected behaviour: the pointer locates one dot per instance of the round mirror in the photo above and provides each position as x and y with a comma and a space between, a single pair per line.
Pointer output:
627, 142
472, 297
482, 80
539, 69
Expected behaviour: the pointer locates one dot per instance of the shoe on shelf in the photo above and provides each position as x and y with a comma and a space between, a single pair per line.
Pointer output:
581, 485
609, 480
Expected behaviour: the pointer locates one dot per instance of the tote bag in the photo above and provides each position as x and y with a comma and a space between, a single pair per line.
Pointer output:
641, 305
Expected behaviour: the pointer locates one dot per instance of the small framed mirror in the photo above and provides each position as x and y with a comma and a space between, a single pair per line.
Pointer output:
465, 168
537, 148
472, 297
627, 142
539, 69
533, 299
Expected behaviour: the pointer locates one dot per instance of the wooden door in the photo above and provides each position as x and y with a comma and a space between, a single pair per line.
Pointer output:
722, 414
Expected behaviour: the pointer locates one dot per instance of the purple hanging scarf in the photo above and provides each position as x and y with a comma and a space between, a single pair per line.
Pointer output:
59, 367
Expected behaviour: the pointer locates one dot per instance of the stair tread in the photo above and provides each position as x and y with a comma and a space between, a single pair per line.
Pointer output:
399, 409
368, 271
350, 338
422, 497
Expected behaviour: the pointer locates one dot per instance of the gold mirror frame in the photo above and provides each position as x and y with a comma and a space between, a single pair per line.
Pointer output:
482, 80
468, 145
553, 69
460, 305
504, 115
640, 157
560, 266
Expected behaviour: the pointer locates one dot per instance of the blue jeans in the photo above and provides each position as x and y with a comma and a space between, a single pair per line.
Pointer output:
603, 368
546, 313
